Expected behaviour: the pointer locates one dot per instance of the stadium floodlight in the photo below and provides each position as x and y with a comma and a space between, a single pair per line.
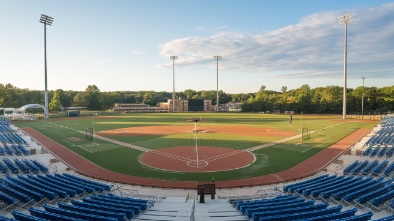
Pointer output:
217, 58
46, 20
173, 58
362, 100
344, 20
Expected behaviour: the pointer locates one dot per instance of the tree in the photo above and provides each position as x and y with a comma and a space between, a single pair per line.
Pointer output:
92, 98
262, 88
55, 103
79, 100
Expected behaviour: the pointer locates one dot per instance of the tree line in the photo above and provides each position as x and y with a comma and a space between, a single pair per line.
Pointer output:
320, 100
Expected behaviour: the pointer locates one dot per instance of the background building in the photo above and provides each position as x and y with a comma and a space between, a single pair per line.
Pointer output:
185, 105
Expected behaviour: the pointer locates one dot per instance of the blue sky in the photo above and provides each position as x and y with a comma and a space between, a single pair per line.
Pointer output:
126, 45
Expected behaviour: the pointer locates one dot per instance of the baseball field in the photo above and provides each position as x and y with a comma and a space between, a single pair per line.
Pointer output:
197, 147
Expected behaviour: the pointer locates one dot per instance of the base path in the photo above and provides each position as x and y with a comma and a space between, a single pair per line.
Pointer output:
302, 170
197, 159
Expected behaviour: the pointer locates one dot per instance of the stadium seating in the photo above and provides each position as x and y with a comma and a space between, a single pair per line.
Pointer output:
378, 169
76, 214
50, 216
129, 212
389, 169
349, 168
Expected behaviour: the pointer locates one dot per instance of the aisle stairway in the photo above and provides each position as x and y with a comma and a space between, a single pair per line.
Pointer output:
176, 209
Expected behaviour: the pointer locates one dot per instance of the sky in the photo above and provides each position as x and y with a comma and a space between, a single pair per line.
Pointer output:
121, 45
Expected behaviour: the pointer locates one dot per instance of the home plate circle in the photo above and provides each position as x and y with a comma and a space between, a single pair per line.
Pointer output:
201, 159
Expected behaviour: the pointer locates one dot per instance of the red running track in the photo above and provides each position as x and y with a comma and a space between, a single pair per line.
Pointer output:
302, 170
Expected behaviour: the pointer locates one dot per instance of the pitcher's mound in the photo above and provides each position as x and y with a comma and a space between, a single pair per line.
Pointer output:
197, 159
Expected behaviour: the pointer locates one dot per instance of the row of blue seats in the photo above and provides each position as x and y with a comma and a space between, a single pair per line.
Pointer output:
55, 189
96, 185
50, 216
390, 152
148, 203
374, 166
10, 165
11, 137
7, 198
349, 189
118, 215
62, 179
129, 212
24, 217
324, 182
240, 205
382, 198
370, 167
38, 187
378, 169
350, 167
76, 214
26, 166
375, 193
42, 182
350, 196
330, 190
77, 210
292, 187
79, 190
359, 167
261, 207
379, 151
5, 130
125, 201
387, 218
389, 169
46, 192
250, 212
3, 167
15, 193
331, 216
16, 149
306, 189
304, 211
339, 183
363, 217
286, 210
136, 208
40, 166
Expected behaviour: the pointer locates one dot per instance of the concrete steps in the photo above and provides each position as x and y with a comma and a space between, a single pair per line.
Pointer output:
176, 209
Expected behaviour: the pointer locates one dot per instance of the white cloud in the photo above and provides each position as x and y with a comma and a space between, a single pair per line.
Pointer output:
138, 52
311, 48
104, 60
200, 28
81, 56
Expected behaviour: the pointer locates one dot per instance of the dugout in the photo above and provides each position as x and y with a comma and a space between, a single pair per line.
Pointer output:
72, 111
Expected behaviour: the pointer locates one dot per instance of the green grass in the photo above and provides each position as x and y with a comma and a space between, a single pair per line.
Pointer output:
124, 160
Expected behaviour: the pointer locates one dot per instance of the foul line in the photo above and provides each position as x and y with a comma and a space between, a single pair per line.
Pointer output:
285, 139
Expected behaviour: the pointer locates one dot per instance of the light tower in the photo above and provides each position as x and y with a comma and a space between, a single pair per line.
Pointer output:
344, 20
362, 101
173, 58
217, 58
46, 20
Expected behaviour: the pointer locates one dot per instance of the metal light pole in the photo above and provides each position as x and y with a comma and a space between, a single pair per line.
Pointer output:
362, 101
46, 20
344, 20
217, 58
173, 58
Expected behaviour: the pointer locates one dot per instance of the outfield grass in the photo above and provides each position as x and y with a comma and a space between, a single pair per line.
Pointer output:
268, 160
